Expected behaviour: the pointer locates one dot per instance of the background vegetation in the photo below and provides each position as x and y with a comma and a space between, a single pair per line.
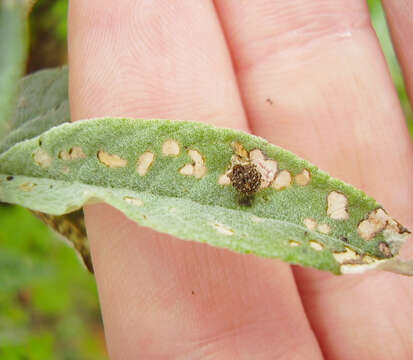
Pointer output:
48, 302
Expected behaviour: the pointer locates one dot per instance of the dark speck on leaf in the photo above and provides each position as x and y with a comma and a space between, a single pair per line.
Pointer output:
9, 178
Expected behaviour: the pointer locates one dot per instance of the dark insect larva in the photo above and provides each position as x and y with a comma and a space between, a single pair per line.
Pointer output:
245, 178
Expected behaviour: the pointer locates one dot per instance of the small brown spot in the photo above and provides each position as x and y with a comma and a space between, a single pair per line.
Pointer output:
9, 178
170, 148
245, 178
294, 243
74, 153
385, 249
193, 292
282, 180
303, 178
42, 158
111, 160
269, 101
144, 162
27, 187
337, 206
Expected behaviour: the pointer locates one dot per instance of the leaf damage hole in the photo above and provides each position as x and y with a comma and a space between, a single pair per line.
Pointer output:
73, 153
312, 225
224, 180
111, 160
377, 221
282, 180
294, 243
170, 148
316, 245
197, 168
42, 158
346, 255
144, 162
267, 167
303, 178
324, 228
337, 205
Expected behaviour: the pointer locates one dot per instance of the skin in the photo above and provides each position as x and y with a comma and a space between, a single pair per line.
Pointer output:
330, 100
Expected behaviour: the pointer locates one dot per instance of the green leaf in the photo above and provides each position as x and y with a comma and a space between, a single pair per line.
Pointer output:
42, 103
13, 46
198, 182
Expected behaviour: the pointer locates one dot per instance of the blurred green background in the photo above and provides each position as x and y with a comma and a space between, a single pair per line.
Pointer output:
48, 302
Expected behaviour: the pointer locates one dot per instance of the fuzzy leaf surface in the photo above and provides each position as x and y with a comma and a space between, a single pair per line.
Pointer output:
175, 177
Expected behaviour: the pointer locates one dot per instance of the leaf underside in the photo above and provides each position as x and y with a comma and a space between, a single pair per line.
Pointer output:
179, 178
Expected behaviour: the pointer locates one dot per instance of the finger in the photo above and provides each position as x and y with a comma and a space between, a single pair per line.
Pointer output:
331, 100
400, 18
162, 297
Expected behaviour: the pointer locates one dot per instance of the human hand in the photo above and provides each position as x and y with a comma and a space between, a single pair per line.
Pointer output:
306, 75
